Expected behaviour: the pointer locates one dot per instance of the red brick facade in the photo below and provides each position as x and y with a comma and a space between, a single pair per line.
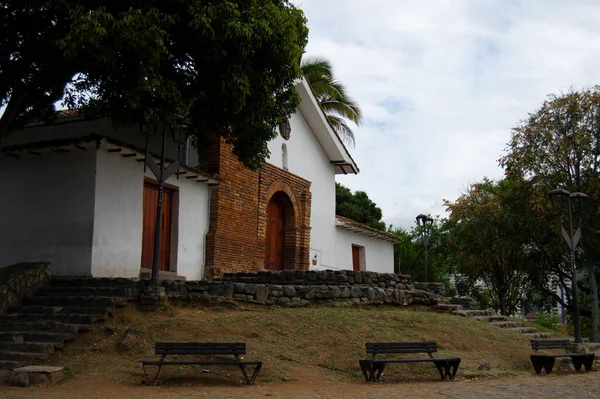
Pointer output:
238, 214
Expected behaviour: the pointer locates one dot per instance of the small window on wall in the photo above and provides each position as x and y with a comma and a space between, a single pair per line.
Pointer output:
358, 258
284, 156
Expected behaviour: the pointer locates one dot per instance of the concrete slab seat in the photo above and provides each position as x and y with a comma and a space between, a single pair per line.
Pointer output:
209, 349
546, 361
373, 368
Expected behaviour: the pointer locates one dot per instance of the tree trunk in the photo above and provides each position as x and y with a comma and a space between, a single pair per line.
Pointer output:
595, 305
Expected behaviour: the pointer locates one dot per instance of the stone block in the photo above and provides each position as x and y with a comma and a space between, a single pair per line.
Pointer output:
371, 294
228, 290
239, 288
289, 291
283, 301
36, 375
356, 292
358, 277
215, 289
250, 289
262, 293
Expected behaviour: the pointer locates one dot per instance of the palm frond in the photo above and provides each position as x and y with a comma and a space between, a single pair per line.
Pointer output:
332, 96
316, 66
342, 129
346, 108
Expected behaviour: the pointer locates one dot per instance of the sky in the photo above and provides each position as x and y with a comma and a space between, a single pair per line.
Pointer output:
442, 82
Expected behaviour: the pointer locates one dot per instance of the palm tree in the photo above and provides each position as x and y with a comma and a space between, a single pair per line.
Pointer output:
332, 96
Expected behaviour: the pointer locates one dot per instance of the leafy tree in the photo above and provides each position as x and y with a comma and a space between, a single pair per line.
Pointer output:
358, 207
229, 66
559, 146
492, 239
332, 96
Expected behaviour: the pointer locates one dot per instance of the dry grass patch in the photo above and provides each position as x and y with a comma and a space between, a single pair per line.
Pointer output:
292, 342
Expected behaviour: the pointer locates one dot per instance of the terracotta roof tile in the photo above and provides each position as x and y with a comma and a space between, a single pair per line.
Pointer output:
368, 230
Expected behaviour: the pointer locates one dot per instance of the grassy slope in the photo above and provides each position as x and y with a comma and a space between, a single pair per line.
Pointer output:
319, 340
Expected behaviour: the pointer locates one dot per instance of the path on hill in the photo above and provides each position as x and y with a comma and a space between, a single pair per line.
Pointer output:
564, 385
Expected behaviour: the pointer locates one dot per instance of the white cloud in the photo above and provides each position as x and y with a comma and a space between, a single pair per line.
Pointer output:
442, 82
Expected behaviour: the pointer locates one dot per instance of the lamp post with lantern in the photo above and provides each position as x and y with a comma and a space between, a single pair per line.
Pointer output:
425, 223
564, 200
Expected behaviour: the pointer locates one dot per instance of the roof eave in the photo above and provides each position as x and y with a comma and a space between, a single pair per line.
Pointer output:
332, 145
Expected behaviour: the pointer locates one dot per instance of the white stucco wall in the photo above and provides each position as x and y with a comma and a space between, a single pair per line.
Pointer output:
47, 210
379, 254
192, 200
117, 242
307, 159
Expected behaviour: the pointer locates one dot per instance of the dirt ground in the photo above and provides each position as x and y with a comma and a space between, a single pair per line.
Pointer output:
310, 384
307, 353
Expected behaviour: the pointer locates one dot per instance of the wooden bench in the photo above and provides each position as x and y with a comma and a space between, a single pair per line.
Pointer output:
546, 361
373, 368
211, 349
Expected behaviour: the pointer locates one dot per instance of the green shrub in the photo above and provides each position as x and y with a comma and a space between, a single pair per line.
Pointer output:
547, 320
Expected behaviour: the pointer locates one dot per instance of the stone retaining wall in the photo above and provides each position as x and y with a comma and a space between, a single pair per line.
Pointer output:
20, 281
300, 288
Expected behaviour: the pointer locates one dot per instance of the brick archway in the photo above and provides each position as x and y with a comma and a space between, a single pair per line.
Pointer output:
288, 192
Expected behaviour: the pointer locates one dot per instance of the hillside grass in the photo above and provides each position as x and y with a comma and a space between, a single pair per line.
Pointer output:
321, 341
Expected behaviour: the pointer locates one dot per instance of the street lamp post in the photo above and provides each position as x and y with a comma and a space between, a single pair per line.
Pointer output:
425, 223
563, 201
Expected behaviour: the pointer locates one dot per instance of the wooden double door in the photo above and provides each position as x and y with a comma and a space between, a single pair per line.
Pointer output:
149, 224
275, 234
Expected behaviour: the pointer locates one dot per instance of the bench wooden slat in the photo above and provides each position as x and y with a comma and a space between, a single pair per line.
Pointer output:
401, 347
198, 352
204, 349
373, 368
182, 362
200, 348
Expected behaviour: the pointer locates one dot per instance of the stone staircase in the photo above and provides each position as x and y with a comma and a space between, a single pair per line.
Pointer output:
489, 316
56, 314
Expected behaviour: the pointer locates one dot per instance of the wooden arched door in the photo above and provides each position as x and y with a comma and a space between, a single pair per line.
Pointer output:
275, 237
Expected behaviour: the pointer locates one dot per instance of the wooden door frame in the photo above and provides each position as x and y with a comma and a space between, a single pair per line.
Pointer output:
280, 203
360, 249
174, 236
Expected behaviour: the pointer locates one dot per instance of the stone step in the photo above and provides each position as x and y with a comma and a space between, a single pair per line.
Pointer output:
540, 335
445, 307
32, 336
523, 330
77, 319
99, 312
11, 364
76, 301
507, 324
53, 291
130, 286
474, 313
39, 326
489, 319
22, 356
36, 347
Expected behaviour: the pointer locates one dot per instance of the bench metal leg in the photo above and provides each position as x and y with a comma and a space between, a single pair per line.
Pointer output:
367, 368
162, 359
542, 362
447, 368
250, 380
589, 361
586, 361
146, 380
372, 371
